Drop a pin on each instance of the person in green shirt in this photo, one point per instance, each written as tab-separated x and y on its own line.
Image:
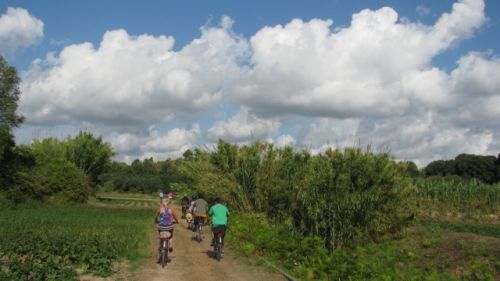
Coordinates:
219	214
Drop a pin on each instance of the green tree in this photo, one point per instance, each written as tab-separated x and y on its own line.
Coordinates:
188	155
411	169
476	166
89	153
440	168
9	96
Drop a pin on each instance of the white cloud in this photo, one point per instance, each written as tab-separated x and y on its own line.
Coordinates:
242	127
132	80
368	83
18	28
423	10
175	140
361	70
160	146
285	140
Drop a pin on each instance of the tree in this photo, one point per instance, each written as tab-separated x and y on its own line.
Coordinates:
188	155
411	169
90	154
9	95
476	166
440	168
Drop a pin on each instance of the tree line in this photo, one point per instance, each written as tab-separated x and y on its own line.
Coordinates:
467	166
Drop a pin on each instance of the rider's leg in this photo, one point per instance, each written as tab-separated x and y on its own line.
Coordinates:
213	236
171	241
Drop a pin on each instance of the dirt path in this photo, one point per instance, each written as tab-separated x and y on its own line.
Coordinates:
191	260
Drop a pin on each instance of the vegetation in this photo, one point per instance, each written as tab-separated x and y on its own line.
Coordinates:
453	194
51	170
10	157
339	196
50	243
421	253
89	153
467	166
146	176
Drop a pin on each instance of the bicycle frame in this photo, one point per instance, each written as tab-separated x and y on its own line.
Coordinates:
164	241
218	245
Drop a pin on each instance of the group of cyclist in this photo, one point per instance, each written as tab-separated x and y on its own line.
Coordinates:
196	212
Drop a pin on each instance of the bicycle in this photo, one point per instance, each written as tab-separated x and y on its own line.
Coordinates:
199	235
218	242
164	241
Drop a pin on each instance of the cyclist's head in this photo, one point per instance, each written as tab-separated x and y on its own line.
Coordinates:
170	195
217	200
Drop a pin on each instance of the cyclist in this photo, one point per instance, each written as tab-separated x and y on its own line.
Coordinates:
185	205
165	217
219	214
200	208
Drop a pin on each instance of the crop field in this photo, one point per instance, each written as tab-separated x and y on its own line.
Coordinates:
52	243
470	198
127	200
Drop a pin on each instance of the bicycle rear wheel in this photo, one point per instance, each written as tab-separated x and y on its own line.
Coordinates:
218	248
198	233
163	259
164	254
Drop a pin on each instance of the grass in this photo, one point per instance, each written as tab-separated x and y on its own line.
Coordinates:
492	230
425	251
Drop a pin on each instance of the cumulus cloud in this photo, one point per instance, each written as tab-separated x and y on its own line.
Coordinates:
18	28
243	127
131	80
160	146
371	82
304	68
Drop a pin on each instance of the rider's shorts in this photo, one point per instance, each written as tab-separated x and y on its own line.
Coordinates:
170	229
221	228
199	220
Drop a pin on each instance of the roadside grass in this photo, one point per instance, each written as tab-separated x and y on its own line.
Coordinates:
492	230
421	252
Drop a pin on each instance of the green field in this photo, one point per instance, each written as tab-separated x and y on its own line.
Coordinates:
52	243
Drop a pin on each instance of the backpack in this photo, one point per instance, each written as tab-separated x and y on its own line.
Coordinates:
165	217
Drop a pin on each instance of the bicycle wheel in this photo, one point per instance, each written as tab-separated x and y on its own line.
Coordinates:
198	233
163	259
218	249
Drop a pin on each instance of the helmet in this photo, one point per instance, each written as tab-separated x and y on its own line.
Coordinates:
170	195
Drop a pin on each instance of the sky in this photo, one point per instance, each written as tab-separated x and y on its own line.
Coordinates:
155	78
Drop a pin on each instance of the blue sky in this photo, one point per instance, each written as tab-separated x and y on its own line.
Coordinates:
414	76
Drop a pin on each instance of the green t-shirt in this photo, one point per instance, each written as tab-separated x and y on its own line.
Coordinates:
219	214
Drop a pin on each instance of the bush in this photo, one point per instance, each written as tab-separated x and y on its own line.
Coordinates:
354	196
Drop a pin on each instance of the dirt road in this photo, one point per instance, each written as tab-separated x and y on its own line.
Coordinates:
191	260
